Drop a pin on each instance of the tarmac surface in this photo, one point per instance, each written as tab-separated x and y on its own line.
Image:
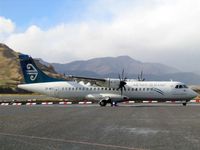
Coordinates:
90	127
23	97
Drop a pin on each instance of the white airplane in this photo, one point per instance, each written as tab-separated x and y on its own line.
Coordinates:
121	90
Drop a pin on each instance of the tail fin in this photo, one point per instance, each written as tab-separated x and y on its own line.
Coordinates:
31	73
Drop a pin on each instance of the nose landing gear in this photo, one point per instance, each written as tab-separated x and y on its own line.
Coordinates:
184	104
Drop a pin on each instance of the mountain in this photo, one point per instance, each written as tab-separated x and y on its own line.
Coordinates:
9	64
110	65
10	74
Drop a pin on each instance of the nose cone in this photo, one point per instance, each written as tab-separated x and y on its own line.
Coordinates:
193	94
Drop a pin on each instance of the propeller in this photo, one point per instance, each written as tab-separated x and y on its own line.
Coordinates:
140	77
122	82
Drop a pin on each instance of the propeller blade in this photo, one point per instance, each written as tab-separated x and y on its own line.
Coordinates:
138	77
122	82
119	77
142	79
124	88
122	74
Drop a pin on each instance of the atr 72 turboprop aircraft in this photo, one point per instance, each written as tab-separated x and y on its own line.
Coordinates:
119	90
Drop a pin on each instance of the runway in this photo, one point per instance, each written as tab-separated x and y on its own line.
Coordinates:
89	127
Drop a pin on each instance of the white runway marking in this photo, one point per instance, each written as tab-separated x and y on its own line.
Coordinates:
97	105
70	141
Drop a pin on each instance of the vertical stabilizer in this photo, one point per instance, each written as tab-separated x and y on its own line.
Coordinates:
31	73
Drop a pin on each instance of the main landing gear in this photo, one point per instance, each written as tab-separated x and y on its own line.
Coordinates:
104	102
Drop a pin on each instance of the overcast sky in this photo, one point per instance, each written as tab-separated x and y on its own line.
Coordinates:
164	31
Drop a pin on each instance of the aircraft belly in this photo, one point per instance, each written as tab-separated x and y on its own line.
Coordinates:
72	95
146	96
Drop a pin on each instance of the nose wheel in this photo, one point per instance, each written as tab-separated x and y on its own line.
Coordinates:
184	104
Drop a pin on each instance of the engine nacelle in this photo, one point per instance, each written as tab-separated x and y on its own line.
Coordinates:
112	83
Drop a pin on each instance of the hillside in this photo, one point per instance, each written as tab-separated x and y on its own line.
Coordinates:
9	64
10	74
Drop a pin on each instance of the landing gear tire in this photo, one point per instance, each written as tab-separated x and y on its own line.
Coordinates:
185	103
103	103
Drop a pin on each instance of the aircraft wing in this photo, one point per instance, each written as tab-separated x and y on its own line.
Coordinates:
105	82
91	80
86	78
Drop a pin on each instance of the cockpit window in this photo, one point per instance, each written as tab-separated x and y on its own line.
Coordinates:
181	86
185	86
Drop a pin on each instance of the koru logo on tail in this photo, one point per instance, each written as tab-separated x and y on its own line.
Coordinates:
32	71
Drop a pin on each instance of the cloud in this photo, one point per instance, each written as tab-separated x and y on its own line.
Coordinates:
164	31
6	27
